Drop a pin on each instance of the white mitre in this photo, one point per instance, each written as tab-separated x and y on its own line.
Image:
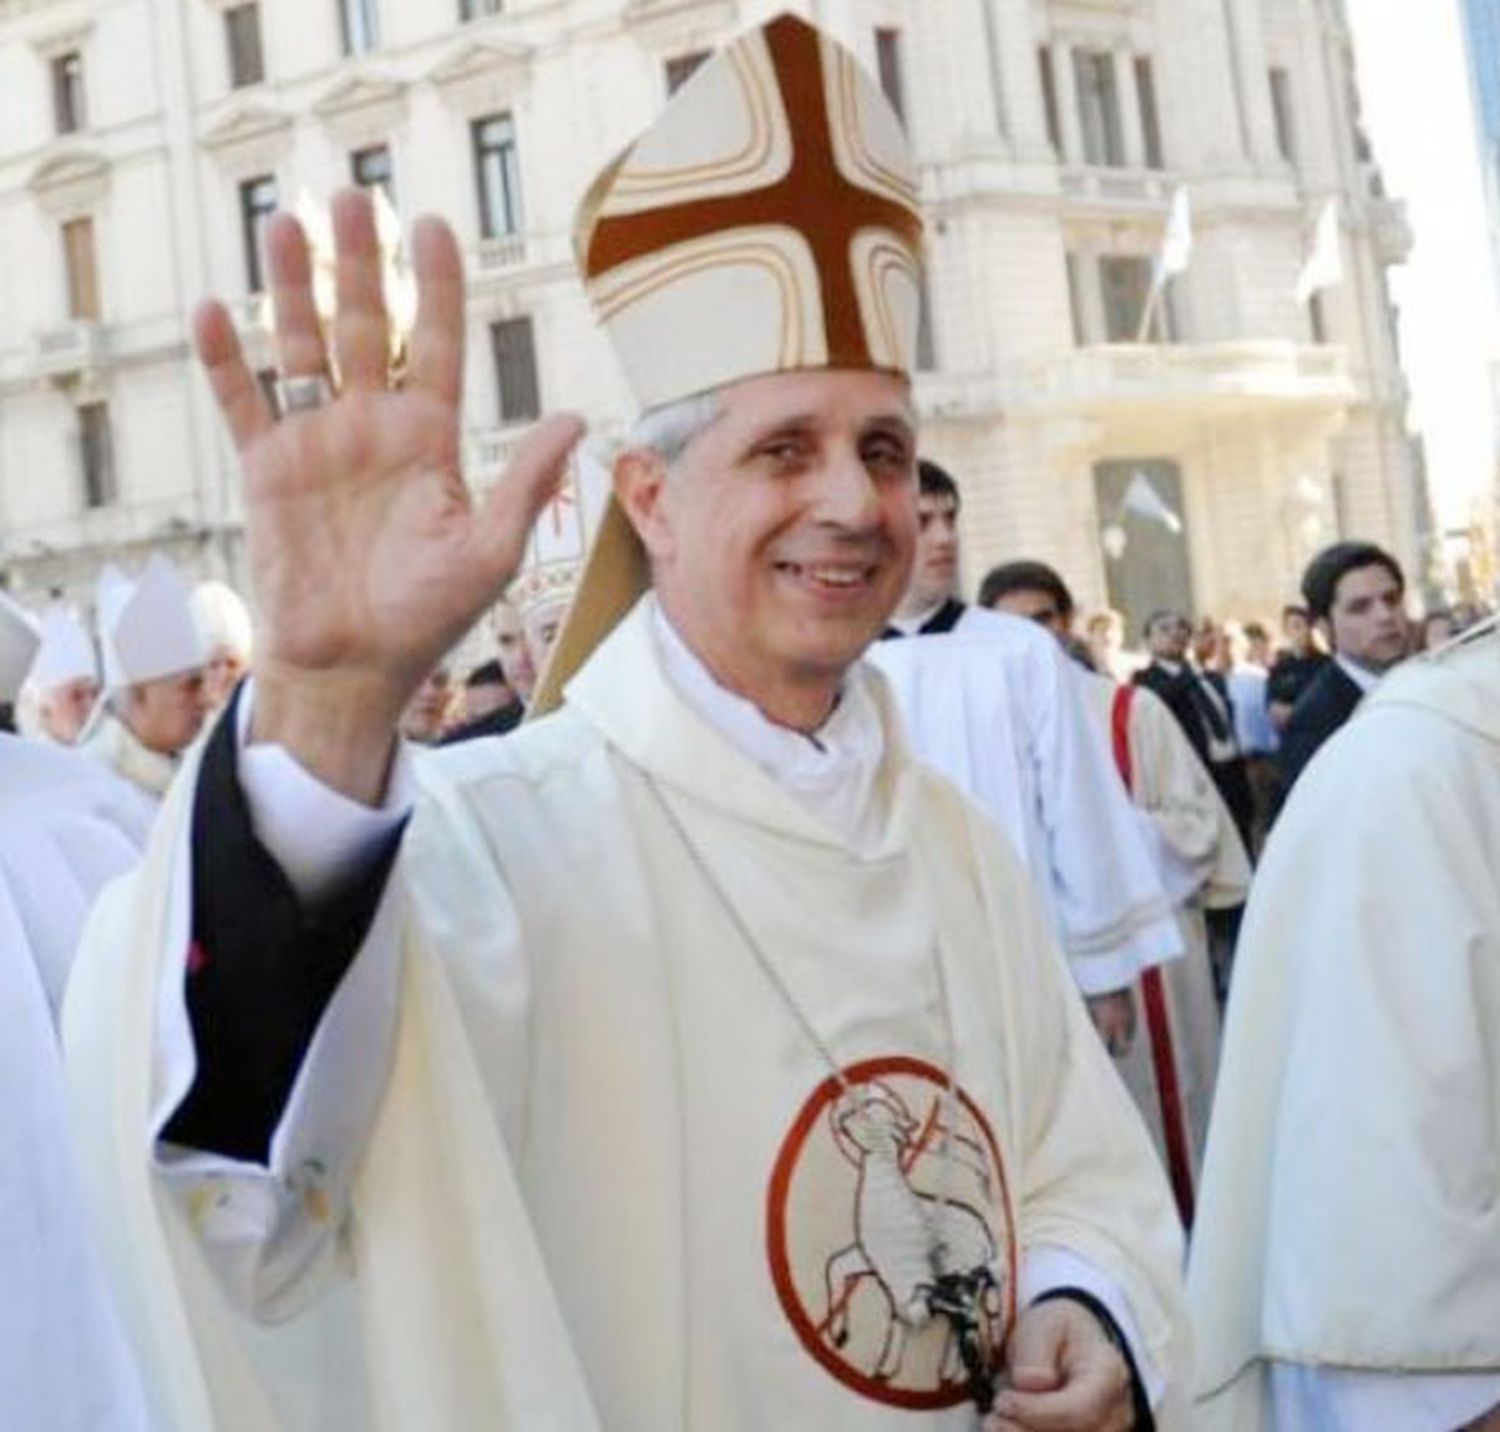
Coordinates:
767	222
67	652
222	618
19	640
146	627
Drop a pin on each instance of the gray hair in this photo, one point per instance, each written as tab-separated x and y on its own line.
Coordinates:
670	429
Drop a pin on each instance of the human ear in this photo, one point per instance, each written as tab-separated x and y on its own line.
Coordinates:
640	483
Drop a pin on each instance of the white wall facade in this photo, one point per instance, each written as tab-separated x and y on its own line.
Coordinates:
1282	443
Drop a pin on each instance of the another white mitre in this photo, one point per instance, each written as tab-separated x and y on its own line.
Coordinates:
67	651
146	627
222	618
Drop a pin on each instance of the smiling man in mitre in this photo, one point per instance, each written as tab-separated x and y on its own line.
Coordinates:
693	1058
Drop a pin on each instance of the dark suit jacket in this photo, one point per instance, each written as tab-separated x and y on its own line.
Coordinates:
1186	703
1319	712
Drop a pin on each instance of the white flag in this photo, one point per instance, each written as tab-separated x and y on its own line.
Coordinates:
1142	498
1325	264
1177	243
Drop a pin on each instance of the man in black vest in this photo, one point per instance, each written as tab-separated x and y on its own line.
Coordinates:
1357	596
1200	702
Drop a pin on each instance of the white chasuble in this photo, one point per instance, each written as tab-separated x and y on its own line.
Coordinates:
1347	1249
65	1363
656	960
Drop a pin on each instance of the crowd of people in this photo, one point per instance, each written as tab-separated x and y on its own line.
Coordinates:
757	987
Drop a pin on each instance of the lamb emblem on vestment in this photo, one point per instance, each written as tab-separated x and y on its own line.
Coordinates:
882	1186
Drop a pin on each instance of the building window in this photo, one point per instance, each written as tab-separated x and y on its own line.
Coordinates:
242	32
1099	108
97	452
497	172
1124	288
361	26
479	9
372	169
1139	501
83	272
67	93
681	68
1145	87
257	204
1049	99
888	65
515	370
1281	109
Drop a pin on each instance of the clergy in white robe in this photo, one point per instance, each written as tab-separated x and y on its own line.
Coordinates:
155	698
1171	1067
995	706
1346	1260
695	1058
65	829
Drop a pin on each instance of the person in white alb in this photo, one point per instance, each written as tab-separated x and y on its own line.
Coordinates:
693	1058
993	704
1201	861
66	827
1345	1274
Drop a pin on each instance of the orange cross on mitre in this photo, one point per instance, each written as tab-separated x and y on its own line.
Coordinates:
815	198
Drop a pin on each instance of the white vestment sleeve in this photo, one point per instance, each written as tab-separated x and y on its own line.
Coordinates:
1116	919
1046	1267
265	1228
1331	1399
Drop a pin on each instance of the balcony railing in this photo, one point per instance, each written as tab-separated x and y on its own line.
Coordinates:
1104	185
73	347
1186	375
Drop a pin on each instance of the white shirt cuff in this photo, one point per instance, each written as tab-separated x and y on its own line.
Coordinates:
1046	1266
318	836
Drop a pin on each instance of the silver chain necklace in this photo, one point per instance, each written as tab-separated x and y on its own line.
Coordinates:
944	1290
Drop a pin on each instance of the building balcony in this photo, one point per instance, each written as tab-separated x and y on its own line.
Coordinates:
1148	189
71	349
1197	379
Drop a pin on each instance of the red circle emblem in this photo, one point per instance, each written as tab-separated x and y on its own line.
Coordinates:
859	1180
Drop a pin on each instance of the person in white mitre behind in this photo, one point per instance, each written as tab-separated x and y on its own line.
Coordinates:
1169	1070
993	704
693	1058
65	828
1345	1274
62	686
155	701
227	637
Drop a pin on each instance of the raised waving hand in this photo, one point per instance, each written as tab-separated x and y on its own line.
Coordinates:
368	557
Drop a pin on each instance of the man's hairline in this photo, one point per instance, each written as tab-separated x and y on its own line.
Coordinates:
633	442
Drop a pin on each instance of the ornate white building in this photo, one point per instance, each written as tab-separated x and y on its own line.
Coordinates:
142	141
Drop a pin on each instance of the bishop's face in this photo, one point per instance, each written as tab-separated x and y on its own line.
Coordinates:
782	538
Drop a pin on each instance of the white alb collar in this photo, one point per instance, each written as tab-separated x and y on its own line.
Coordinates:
833	773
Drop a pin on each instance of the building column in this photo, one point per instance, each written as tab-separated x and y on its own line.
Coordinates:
1065	85
1016	41
1247	45
1130	105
